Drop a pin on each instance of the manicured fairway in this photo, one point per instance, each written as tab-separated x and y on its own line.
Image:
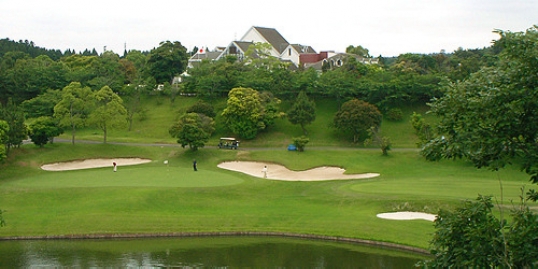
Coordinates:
155	198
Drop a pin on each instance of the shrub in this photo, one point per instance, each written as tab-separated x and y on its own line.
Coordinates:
395	114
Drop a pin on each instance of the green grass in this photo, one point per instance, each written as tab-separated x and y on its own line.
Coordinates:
158	198
161	114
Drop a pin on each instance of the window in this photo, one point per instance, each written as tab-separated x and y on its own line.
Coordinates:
232	50
289	52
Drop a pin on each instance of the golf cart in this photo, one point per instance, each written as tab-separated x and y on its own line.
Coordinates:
228	143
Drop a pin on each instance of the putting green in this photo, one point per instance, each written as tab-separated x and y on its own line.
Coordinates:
128	176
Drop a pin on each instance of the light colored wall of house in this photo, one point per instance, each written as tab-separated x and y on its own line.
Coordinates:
294	57
254	36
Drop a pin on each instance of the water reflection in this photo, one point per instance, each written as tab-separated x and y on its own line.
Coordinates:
206	252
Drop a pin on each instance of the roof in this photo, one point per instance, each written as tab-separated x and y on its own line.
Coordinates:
243	45
273	37
211	55
303	48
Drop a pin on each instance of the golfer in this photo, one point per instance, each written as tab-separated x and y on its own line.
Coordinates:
115	166
264	171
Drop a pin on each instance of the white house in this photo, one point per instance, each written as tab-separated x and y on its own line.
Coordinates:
297	54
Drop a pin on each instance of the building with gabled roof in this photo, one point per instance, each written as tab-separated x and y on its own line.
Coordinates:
296	54
267	35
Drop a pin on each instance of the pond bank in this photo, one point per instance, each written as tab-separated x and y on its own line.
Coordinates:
209	234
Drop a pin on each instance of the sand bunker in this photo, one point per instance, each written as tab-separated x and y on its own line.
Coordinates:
407	216
279	172
92	163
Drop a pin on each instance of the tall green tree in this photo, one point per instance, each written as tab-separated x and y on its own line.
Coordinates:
338	83
356	116
213	79
247	112
302	112
132	95
108	72
166	61
81	68
43	104
74	108
18	131
490	119
109	112
193	130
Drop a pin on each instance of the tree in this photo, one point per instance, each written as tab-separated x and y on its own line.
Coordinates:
14	116
109	112
26	78
490	119
422	129
166	61
376	138
358	50
43	104
302	112
108	71
214	78
4	129
43	130
2	221
357	117
74	108
193	129
471	236
248	112
300	142
338	83
132	97
82	69
202	108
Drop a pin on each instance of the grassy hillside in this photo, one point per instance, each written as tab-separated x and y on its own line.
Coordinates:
161	114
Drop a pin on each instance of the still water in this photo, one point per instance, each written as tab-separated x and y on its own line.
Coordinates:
205	252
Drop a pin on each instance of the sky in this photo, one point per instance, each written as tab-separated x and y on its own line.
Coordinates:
384	27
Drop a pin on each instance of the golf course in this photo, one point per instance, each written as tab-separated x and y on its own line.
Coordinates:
165	197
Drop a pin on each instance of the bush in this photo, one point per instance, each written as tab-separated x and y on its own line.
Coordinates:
395	114
300	142
202	108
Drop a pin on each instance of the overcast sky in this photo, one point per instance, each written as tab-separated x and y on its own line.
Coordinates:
385	27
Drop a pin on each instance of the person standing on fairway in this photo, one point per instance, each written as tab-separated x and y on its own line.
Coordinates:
194	165
115	166
264	171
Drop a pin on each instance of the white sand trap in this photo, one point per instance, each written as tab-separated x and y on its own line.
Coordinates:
93	163
406	215
279	172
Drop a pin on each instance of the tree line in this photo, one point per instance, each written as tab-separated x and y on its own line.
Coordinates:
33	80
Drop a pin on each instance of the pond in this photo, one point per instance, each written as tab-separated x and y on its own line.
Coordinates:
200	252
